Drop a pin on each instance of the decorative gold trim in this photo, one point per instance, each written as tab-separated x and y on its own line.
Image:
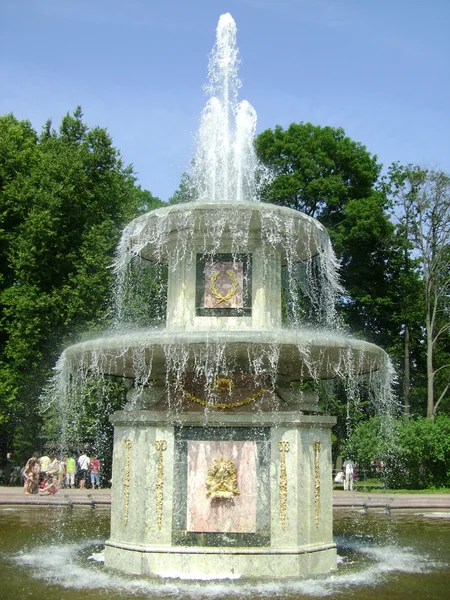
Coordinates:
222	479
283	447
317	446
222	383
126	481
222	404
161	445
218	295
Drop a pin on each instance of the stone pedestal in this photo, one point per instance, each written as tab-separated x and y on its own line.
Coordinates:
244	495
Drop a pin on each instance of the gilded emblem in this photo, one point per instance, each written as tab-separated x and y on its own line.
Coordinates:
232	291
222	479
222	383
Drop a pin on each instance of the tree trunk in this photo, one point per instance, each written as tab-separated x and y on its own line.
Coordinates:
430	371
406	375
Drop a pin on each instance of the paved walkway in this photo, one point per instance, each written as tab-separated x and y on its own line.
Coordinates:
15	495
384	500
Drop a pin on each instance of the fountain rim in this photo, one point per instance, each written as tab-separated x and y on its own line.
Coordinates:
255	206
117	347
139	241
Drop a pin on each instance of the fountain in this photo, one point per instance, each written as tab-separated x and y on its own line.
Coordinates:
222	457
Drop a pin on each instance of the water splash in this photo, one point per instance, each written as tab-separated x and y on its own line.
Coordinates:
65	566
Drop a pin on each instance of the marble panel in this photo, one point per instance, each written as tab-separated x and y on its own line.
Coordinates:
236	514
223	285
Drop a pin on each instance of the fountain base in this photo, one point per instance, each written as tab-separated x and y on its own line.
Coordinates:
221	495
186	563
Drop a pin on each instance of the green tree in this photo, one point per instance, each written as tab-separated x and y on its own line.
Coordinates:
323	173
185	192
317	169
415	454
64	197
423	197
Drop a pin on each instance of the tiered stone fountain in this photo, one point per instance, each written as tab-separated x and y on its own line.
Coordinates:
222	460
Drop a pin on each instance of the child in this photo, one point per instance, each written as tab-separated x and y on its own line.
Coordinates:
51	487
31	475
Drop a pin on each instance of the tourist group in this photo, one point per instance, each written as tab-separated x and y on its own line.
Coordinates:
49	473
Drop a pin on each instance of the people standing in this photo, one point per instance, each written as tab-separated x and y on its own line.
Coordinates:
62	471
94	466
83	465
70	471
45	461
31	474
53	466
349	469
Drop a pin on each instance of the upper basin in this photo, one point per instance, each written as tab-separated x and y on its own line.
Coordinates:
241	226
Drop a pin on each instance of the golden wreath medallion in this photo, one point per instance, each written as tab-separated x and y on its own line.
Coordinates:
217	295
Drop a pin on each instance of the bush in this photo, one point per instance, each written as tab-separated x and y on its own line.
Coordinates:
414	454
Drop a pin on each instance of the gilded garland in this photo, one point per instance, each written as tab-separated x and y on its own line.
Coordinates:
126	482
283	447
316	482
236	404
161	445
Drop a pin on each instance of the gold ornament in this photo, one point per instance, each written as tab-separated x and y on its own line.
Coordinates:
222	383
223	404
317	482
283	447
218	295
126	482
161	445
222	479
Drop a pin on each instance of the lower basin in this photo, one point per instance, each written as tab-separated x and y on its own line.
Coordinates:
55	553
295	354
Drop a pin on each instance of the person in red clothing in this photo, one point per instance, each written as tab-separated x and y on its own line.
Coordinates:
50	487
94	466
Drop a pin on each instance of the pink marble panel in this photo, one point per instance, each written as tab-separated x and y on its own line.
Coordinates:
217	276
236	515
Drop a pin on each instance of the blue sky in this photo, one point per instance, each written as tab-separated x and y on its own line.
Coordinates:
377	68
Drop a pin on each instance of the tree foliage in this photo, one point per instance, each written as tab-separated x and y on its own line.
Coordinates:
65	195
185	191
414	454
423	199
323	173
317	169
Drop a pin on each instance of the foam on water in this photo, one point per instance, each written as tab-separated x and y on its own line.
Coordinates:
66	565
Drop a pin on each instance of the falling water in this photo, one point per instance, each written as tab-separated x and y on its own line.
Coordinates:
169	240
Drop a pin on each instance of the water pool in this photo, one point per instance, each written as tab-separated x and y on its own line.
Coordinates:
55	553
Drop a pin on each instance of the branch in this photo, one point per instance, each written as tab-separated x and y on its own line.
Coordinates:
442	330
440	368
441	397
